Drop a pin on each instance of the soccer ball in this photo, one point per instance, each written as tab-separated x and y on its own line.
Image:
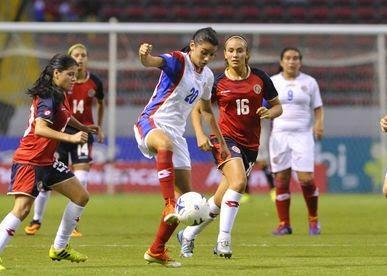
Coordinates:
192	208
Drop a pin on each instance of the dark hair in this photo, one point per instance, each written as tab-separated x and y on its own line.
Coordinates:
284	50
44	86
205	34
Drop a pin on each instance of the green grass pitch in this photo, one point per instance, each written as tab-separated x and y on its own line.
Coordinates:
118	229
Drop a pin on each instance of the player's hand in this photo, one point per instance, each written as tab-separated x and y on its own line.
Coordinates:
101	136
385	187
204	143
93	129
224	152
263	113
79	137
145	49
383	124
318	131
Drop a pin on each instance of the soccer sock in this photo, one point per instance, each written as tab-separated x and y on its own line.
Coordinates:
269	176
166	175
310	192
8	228
282	203
190	232
69	220
163	234
40	205
228	212
82	176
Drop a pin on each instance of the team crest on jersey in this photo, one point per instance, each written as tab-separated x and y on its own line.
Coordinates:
47	112
257	89
91	93
304	88
236	149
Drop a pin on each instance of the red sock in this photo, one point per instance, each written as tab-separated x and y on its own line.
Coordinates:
282	203
163	234
310	192
166	175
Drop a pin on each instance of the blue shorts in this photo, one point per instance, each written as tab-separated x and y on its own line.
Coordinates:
248	156
30	179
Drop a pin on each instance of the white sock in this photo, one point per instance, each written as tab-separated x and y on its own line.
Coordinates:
228	212
8	228
83	177
190	232
40	204
69	220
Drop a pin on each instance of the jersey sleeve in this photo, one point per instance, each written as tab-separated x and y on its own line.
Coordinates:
45	109
99	87
316	96
173	65
207	87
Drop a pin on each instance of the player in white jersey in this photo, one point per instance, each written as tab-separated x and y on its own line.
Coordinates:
383	126
185	80
292	141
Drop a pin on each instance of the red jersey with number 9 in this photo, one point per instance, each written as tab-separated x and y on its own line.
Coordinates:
39	150
238	102
81	98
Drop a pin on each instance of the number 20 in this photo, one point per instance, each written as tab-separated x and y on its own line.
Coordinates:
193	94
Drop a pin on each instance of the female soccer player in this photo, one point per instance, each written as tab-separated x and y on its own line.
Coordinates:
34	166
239	92
185	80
87	87
291	141
383	127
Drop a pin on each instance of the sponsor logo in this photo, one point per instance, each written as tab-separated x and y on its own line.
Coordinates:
236	149
91	93
232	204
11	232
163	174
77	219
39	186
283	197
257	89
224	92
47	112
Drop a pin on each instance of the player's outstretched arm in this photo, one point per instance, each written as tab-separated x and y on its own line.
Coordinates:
42	128
146	58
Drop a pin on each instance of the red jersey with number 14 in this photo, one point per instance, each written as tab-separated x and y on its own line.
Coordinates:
238	102
81	98
38	150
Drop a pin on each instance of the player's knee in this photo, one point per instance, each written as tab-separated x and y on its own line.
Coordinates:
21	211
281	182
82	198
306	180
239	185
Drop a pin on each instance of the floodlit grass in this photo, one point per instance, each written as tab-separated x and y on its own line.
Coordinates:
118	229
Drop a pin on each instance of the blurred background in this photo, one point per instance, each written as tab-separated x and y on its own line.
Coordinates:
350	67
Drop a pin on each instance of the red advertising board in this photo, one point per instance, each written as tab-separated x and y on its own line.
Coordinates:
142	177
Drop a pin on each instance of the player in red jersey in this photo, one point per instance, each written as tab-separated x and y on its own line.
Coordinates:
34	166
86	88
239	92
383	127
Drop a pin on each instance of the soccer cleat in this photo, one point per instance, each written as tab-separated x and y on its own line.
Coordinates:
76	233
314	228
1	266
282	230
161	258
223	249
33	227
187	246
245	198
169	214
66	253
273	195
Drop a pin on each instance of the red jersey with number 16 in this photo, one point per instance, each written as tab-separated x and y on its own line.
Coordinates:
81	98
38	150
238	102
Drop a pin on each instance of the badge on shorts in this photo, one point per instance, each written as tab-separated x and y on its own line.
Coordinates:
91	93
39	186
257	89
236	149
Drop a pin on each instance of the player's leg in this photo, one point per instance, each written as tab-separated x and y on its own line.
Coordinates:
385	186
40	205
64	182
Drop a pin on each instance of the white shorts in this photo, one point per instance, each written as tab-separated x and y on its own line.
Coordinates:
180	157
263	150
293	150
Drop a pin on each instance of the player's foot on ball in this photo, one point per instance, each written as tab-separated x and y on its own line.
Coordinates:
76	233
169	214
66	253
161	258
314	228
33	227
187	246
282	230
223	249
